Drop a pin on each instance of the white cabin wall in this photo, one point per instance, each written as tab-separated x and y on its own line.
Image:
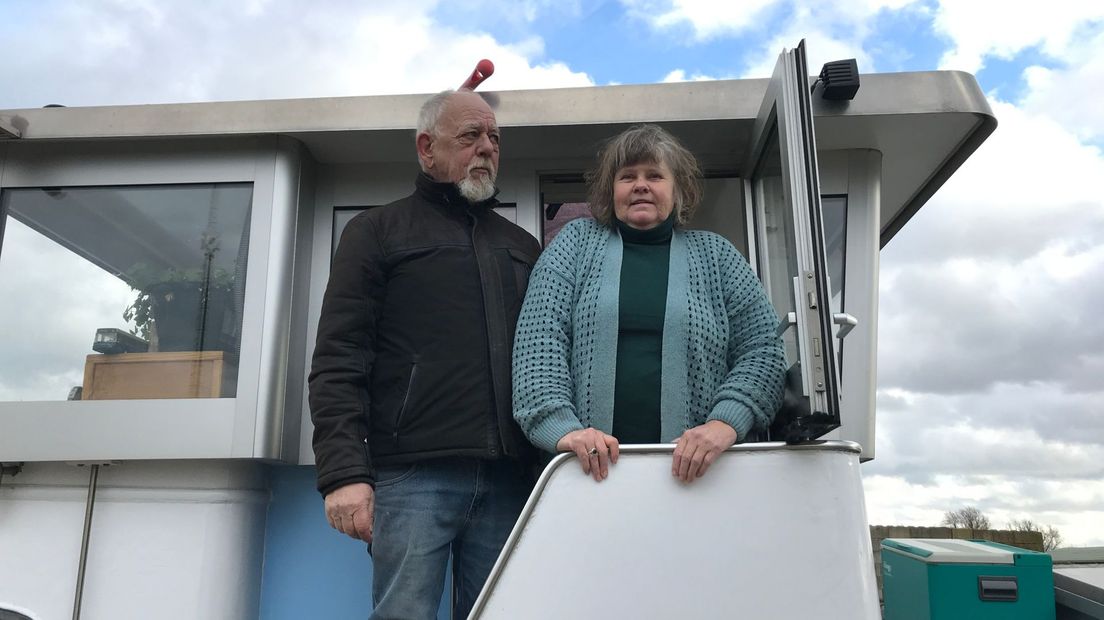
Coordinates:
169	540
857	173
722	211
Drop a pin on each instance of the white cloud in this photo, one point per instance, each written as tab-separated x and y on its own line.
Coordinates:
125	52
989	340
998	277
831	30
679	75
1071	93
1002	29
821	48
709	19
1076	509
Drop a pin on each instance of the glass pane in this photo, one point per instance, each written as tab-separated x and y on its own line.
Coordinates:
122	292
778	254
834	213
558	214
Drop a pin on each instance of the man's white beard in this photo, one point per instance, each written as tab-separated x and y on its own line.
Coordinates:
478	189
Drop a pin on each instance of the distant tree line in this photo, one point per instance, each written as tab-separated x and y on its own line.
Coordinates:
971	518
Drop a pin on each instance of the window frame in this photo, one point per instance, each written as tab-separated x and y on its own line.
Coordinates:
249	425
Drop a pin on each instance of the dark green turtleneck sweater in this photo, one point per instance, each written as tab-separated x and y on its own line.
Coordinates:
641	309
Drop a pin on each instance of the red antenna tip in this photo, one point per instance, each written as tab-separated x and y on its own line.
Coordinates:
483	70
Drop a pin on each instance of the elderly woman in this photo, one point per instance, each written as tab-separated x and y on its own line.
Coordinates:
635	330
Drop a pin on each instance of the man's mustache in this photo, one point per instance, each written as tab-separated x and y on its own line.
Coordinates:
482	162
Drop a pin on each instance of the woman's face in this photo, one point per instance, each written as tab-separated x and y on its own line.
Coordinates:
643	194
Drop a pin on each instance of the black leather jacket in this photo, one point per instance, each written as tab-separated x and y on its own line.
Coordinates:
412	360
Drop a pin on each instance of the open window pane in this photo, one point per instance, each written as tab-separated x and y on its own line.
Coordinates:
791	248
779	255
124	292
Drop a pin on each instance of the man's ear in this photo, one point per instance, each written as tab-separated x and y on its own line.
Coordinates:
424	144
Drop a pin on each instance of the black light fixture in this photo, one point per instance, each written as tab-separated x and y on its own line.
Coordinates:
840	79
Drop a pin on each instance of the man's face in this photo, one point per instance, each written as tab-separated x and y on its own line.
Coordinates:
465	147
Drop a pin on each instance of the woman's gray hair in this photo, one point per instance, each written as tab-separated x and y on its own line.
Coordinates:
641	144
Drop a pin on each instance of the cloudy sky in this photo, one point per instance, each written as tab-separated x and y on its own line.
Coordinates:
991	382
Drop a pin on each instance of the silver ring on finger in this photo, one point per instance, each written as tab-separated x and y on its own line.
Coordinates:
593	452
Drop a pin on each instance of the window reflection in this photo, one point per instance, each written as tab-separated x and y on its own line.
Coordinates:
779	254
834	213
122	292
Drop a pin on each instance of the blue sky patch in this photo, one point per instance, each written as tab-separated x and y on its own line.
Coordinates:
1004	76
904	40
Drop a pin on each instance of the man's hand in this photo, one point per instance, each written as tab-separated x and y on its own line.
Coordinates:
698	447
595	449
351	510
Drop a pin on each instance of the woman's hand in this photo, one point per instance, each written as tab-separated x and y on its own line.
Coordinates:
698	447
595	449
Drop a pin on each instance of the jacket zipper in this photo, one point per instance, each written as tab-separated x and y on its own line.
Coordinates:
493	435
406	397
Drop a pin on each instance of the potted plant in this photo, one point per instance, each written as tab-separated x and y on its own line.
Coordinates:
182	309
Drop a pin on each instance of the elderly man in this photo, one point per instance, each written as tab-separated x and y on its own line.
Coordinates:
414	439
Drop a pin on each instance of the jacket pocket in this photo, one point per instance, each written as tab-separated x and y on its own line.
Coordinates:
406	398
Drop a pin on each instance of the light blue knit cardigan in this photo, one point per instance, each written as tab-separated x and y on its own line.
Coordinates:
721	358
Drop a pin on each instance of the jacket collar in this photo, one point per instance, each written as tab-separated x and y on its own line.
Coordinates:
448	194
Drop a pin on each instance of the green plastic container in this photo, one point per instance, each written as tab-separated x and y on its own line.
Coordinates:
947	579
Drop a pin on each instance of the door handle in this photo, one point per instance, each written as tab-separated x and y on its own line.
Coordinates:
844	320
846	323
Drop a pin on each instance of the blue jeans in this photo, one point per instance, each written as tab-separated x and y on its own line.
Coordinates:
425	510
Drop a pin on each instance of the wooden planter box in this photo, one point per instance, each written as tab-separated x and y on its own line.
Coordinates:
177	374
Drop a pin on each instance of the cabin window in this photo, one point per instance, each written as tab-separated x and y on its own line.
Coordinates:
126	292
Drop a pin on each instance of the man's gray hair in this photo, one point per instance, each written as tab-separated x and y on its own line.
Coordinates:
431	112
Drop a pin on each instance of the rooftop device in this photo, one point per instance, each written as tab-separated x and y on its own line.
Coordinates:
840	79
